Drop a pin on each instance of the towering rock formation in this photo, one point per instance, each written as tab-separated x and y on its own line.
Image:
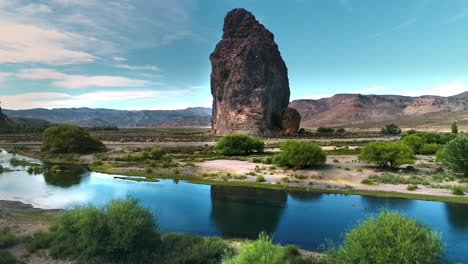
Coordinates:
249	79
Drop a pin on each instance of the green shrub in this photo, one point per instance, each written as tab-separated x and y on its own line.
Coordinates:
193	249
341	130
7	258
149	169
440	155
263	251
388	155
39	240
454	128
391	129
260	178
367	182
456	154
411	187
6	238
239	144
446	138
119	229
389	238
458	190
157	153
66	138
267	160
429	149
325	130
300	154
415	142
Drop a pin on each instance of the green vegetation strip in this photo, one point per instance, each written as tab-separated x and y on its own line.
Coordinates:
199	180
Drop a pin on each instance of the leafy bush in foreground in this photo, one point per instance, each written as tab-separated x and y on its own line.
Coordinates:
66	138
119	229
388	155
389	238
193	249
239	144
300	154
263	251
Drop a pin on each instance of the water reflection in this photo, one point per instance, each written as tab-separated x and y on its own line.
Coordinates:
305	196
457	215
66	178
376	203
244	211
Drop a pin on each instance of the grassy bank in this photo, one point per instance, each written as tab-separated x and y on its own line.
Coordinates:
201	180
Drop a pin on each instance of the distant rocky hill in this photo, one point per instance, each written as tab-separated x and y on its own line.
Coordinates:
354	109
108	117
7	123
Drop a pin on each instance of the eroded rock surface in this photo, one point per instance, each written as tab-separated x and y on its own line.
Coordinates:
249	79
291	121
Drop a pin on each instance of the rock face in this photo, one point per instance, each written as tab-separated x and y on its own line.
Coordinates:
249	79
291	121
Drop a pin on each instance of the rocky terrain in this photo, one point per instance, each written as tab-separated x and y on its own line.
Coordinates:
249	79
354	110
7	123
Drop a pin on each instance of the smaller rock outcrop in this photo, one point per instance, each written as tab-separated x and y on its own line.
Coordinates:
291	121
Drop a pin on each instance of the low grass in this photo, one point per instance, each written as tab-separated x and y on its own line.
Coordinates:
137	179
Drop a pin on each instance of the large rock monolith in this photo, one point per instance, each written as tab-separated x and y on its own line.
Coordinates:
249	79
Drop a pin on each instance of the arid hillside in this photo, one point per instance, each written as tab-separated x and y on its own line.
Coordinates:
367	111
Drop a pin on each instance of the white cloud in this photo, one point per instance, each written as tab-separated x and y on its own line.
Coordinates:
78	81
118	58
27	43
368	90
314	97
446	89
136	68
4	75
92	99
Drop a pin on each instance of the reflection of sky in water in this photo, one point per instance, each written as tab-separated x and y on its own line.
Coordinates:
305	219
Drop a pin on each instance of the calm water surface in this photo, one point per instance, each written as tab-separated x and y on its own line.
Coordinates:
301	218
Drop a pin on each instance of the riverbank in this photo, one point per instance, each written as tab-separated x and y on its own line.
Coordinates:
342	174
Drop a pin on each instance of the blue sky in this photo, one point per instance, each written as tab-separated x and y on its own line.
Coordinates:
142	54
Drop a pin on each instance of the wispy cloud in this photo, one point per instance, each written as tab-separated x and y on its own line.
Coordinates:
27	43
92	99
136	68
445	89
77	81
368	90
118	58
4	75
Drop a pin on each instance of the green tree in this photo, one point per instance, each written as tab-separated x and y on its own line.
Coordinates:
300	154
387	155
429	149
391	129
341	130
239	144
454	128
390	238
455	155
414	141
66	138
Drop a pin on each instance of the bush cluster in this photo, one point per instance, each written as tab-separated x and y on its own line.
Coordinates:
455	155
390	238
239	144
387	155
300	154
